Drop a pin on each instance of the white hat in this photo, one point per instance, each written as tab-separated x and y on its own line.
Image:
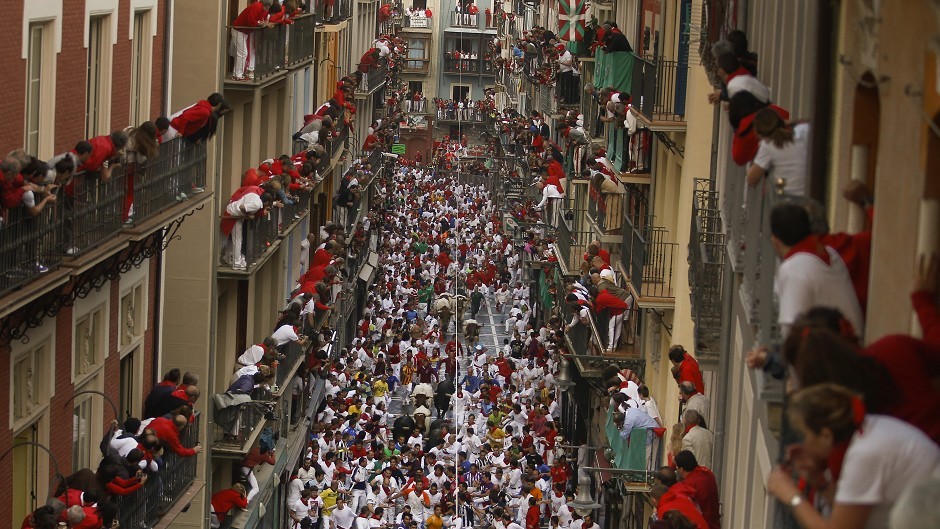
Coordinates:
608	274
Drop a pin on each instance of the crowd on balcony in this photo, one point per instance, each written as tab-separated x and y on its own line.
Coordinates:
138	458
862	411
257	16
465	109
69	181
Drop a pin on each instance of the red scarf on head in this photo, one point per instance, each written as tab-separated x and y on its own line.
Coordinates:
837	455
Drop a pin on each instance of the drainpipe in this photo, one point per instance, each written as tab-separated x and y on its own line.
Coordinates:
826	38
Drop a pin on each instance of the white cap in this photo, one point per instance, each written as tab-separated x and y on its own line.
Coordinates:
608	274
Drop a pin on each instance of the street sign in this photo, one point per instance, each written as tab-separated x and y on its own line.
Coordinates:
398	148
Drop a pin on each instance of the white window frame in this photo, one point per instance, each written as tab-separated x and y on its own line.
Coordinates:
141	73
41	336
48	13
108	9
94	425
99	300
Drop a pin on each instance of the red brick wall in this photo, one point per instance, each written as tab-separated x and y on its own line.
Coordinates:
60	410
71	64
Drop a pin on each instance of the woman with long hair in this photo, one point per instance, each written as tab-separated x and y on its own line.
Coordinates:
142	146
783	152
860	462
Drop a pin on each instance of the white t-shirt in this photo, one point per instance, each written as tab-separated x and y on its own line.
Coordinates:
284	334
789	162
885	458
343	518
804	281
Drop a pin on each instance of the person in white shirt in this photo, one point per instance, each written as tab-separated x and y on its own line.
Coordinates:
783	152
342	515
811	275
648	405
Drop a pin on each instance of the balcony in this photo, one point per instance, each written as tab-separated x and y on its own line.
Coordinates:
279	48
706	267
416	21
574	236
464	20
659	91
606	213
155	502
237	427
373	80
461	66
416	66
466	116
339	12
649	259
262	234
489	66
90	212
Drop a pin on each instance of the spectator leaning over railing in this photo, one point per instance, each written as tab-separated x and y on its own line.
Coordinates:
193	121
142	145
224	501
246	203
105	152
255	17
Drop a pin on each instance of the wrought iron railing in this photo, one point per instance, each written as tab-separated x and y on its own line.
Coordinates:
461	66
374	78
606	210
89	211
300	39
649	259
339	11
489	66
147	505
245	419
464	20
659	88
259	234
706	267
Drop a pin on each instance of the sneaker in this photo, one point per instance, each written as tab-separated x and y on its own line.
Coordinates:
197	190
129	221
250	75
236	78
181	197
72	250
41	268
240	266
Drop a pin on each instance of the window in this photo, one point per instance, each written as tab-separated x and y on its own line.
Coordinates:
141	52
26	473
34	87
419	4
89	343
130	385
31	381
98	79
460	92
415	86
419	54
86	429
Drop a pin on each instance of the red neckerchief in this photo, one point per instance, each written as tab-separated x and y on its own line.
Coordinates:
689	427
837	455
812	246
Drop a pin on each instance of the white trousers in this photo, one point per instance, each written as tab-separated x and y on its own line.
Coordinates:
614	326
244	54
238	258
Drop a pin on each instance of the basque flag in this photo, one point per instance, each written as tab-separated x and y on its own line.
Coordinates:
572	19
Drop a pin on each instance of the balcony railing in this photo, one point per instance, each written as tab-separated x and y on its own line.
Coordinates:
416	65
649	259
333	14
300	39
147	505
659	88
235	425
89	211
417	21
574	236
461	66
287	366
706	267
464	20
489	66
374	79
466	115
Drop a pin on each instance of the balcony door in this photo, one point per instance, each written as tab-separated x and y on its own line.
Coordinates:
459	92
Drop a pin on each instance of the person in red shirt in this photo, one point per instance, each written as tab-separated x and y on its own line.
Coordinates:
616	308
192	119
531	515
168	432
226	500
104	149
685	368
702	485
675	500
252	18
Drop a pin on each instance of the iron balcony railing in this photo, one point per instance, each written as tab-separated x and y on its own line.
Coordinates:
488	66
300	39
473	114
461	66
464	20
148	504
374	79
649	259
339	11
243	420
659	88
88	211
706	267
574	236
286	367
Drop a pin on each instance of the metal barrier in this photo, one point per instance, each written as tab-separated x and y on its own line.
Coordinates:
659	88
706	267
259	234
144	508
461	66
29	245
374	78
270	45
300	39
606	210
649	259
250	416
339	11
178	169
464	20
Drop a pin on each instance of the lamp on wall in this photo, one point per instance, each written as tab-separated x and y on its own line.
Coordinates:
584	503
563	380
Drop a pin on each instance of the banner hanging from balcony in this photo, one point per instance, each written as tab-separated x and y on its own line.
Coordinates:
572	19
